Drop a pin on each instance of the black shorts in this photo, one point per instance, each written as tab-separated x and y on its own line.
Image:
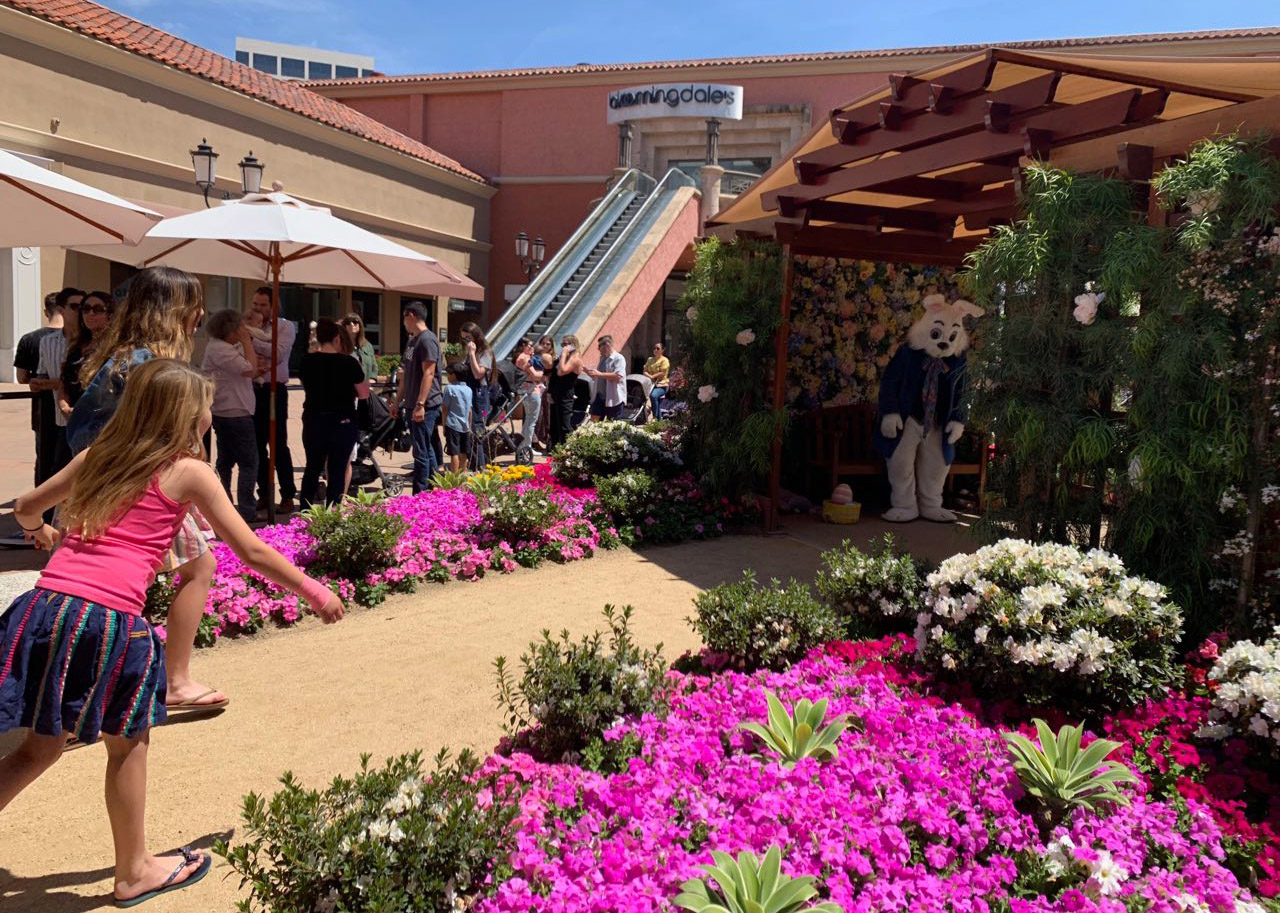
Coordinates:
456	443
600	410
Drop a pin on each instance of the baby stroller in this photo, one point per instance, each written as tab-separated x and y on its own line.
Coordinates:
379	429
499	436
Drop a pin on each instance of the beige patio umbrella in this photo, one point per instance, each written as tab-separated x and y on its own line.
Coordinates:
273	237
46	209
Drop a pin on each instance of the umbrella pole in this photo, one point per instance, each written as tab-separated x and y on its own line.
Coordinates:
274	259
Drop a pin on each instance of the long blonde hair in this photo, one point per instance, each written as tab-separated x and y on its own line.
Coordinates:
157	422
153	316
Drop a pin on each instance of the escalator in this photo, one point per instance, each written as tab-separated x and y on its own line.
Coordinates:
603	277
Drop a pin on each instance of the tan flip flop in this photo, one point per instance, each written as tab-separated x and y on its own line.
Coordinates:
195	703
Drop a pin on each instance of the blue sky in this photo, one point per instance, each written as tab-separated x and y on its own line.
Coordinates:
420	36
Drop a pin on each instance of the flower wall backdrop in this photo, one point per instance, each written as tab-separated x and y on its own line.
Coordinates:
847	319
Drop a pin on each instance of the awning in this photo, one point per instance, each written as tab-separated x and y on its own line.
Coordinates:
922	168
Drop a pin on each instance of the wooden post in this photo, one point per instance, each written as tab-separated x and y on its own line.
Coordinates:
275	262
781	342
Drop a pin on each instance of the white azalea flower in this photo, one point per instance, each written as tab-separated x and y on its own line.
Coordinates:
745	337
1086	309
707	393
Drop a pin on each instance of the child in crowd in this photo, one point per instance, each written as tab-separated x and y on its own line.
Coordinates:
458	402
76	656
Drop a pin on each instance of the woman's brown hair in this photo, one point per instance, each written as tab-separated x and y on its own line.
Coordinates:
158	421
153	316
358	336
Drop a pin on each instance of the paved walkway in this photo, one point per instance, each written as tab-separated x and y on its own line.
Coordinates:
415	672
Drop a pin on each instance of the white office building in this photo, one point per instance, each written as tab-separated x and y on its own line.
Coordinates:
292	61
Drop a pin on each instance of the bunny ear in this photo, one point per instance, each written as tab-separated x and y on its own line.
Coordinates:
934	302
968	308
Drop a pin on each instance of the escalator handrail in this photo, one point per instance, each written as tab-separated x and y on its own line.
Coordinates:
672	180
538	294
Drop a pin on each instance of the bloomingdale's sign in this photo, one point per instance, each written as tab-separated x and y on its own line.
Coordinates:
676	99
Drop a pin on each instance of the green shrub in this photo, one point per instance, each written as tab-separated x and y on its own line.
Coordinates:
628	496
749	626
519	516
572	692
602	449
874	592
385	839
388	363
351	540
1050	624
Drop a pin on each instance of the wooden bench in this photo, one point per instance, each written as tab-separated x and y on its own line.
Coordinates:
839	443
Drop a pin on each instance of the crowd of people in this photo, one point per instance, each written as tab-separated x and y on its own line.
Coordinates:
124	491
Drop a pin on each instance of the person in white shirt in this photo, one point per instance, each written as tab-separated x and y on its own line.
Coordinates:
611	394
286	332
230	360
53	353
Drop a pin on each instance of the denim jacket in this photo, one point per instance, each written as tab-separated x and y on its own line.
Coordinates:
101	398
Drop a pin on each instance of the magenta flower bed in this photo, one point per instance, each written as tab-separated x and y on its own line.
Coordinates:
916	813
444	540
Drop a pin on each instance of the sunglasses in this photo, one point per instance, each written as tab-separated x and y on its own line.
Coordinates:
94	309
352	323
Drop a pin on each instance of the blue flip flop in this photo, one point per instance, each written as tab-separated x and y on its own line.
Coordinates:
188	857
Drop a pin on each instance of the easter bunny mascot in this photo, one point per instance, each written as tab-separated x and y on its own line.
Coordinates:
921	410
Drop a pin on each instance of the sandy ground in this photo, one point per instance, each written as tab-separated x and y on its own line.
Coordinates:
413	673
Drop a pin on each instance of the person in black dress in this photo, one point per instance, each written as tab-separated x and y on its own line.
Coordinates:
333	381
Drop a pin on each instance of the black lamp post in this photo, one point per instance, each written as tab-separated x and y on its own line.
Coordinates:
205	162
530	262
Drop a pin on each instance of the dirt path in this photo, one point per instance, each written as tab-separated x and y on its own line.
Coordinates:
413	673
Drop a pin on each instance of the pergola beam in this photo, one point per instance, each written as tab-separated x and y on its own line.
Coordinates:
1033	136
876	216
909	96
894	248
970	113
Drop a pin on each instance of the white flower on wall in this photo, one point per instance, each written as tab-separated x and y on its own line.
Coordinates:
1086	311
707	393
745	337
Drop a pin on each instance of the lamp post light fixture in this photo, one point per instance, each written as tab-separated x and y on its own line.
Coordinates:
530	261
251	174
205	162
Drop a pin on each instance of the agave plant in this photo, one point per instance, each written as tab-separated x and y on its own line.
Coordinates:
799	733
1062	775
446	479
750	885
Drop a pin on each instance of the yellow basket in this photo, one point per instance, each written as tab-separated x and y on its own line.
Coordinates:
841	513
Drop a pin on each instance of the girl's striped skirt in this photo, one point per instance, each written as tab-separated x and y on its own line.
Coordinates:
69	666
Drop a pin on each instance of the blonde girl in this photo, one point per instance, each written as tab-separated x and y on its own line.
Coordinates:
561	389
76	656
157	319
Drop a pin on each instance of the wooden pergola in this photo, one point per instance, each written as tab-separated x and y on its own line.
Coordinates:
921	170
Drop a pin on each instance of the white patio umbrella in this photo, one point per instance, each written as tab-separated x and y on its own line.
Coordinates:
273	237
45	209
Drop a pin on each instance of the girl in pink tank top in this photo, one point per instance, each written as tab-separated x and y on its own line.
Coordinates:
76	656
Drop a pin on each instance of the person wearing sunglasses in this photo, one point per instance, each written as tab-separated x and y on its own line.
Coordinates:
53	353
363	348
96	309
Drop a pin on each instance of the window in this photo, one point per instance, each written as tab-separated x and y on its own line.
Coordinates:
368	73
265	62
369	306
316	70
345	72
292	66
242	57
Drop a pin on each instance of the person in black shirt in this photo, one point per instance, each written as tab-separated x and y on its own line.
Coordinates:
333	381
419	394
26	360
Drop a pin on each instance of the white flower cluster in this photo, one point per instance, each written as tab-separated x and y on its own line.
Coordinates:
1247	698
1048	607
1106	876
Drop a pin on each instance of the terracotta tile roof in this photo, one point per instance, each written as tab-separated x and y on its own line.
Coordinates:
127	33
660	65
